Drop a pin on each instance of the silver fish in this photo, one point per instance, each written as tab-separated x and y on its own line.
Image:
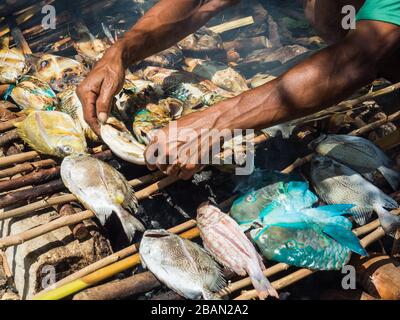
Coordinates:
121	142
336	184
101	189
359	154
181	264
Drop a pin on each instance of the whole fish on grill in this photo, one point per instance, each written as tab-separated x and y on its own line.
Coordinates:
359	154
224	239
336	184
121	142
181	265
168	58
101	189
31	94
52	132
59	72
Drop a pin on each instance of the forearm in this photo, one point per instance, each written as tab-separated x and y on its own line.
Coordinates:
319	82
165	24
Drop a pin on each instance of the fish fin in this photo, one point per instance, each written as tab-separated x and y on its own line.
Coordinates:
209	295
332	210
102	214
346	238
391	176
389	222
261	283
361	216
368	176
129	223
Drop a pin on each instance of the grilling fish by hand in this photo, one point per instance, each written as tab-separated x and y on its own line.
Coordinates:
101	189
12	62
181	265
335	183
121	142
59	72
53	133
31	94
224	239
359	154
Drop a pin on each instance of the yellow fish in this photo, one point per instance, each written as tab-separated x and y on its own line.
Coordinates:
53	133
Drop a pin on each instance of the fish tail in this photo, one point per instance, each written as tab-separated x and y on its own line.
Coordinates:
391	176
389	222
260	282
129	222
209	295
345	237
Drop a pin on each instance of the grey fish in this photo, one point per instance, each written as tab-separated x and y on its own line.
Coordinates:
335	184
359	154
101	189
181	264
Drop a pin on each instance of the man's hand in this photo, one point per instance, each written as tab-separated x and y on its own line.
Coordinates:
97	91
179	148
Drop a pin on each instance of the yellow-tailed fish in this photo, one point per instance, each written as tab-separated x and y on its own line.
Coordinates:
53	133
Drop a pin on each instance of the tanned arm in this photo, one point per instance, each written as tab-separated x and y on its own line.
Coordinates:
320	81
165	24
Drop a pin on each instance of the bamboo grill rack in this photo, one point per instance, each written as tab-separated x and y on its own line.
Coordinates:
35	169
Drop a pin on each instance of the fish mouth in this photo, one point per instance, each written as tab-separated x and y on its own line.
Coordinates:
156	235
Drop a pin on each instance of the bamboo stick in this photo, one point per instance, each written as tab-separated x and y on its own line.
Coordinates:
26	167
9	124
8	137
119	289
53	186
226	26
18	158
374	125
79	230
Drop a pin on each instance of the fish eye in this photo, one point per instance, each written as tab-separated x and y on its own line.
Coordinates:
250	198
67	149
44	64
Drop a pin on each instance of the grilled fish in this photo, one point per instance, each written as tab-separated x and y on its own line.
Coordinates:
359	154
101	189
181	265
224	239
335	184
12	62
52	132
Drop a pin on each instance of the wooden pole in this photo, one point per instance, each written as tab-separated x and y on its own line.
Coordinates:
26	167
8	137
9	124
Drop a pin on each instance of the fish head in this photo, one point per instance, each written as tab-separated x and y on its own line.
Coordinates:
208	215
151	238
246	208
70	145
313	144
59	71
